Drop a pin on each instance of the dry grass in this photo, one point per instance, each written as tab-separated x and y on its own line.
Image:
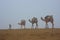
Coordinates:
30	34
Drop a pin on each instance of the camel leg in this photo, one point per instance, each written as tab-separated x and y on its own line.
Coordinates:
36	25
9	27
32	26
52	27
21	26
46	25
24	26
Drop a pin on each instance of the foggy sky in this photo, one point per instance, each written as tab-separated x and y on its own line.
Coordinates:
12	11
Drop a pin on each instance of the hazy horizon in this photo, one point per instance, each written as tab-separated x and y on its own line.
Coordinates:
12	11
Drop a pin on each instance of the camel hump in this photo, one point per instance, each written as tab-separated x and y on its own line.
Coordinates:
22	20
48	16
34	19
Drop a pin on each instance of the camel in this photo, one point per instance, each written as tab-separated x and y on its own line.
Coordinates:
48	18
34	20
22	23
10	26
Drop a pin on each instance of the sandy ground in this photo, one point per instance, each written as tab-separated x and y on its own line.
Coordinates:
30	34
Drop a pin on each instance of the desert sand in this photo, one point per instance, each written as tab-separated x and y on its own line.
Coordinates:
30	34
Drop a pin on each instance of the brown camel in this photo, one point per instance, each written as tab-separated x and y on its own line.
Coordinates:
22	23
48	18
34	20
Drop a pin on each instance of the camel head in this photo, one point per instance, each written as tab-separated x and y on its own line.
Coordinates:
42	19
19	24
29	20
